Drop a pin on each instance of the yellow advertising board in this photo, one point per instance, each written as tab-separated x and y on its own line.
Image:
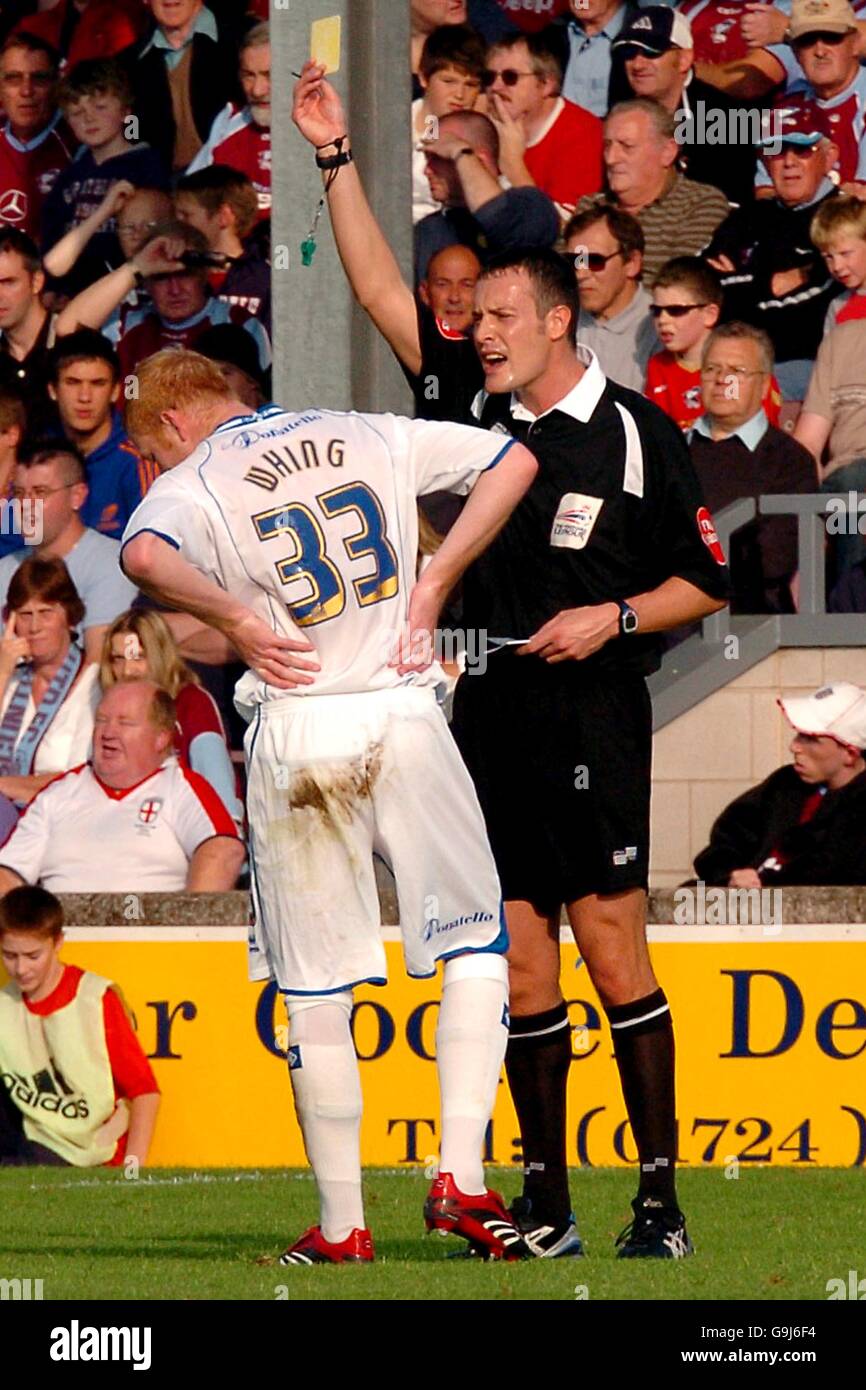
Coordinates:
771	1044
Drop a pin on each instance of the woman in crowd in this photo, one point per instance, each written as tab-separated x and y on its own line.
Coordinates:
47	693
139	646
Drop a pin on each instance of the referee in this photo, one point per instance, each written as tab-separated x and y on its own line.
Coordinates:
610	546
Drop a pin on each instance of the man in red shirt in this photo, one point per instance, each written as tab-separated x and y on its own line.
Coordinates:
543	139
75	1085
34	144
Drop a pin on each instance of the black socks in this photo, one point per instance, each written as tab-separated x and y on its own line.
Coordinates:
643	1043
536	1063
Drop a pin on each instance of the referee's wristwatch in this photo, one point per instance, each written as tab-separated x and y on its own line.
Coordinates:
628	619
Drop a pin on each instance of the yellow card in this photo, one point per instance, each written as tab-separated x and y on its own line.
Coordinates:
325	43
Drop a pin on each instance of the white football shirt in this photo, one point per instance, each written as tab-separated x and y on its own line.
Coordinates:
79	836
310	519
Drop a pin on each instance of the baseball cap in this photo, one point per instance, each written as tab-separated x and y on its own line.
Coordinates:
656	29
837	711
793	122
812	16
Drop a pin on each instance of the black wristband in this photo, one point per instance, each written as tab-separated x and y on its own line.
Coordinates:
335	161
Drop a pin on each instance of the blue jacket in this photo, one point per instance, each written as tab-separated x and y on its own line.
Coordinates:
117	479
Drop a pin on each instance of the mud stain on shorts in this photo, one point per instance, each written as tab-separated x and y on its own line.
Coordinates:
335	791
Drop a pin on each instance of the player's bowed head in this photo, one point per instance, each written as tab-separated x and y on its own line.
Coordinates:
182	397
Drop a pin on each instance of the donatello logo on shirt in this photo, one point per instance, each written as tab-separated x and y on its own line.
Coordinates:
46	1090
575	517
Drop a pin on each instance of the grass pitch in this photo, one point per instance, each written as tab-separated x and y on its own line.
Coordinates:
175	1234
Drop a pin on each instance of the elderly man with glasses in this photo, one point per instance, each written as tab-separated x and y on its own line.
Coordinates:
772	274
820	60
738	453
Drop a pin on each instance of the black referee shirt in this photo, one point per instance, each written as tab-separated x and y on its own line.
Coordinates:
615	510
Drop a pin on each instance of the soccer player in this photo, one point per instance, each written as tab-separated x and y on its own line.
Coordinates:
272	527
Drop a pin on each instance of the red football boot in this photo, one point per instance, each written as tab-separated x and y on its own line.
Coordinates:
483	1220
313	1249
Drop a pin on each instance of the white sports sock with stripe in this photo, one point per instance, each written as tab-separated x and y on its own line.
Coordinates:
323	1070
470	1048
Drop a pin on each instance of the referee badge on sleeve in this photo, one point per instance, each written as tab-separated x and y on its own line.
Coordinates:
575	517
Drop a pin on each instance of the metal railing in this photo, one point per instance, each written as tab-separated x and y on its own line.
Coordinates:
728	646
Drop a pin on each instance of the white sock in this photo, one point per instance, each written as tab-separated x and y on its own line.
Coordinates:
470	1048
323	1070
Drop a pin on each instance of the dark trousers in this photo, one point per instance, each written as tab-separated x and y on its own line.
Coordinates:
16	1150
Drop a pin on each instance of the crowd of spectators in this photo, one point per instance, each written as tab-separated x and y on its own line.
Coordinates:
135	198
706	163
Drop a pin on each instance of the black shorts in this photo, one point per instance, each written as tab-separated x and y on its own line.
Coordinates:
562	766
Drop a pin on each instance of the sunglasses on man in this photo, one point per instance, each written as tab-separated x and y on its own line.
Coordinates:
510	77
593	260
831	40
786	147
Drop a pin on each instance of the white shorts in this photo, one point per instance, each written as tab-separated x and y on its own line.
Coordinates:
332	779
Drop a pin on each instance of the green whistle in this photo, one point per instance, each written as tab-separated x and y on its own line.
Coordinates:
308	251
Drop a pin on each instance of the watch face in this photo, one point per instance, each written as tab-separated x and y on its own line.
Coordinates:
629	620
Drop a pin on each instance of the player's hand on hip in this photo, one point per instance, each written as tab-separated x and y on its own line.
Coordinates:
317	110
415	647
274	658
574	634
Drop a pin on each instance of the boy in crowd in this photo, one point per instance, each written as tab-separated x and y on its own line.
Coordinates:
222	204
452	65
838	229
78	1088
85	384
96	99
687	304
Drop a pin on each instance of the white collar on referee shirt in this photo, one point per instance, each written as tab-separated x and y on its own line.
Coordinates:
581	400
